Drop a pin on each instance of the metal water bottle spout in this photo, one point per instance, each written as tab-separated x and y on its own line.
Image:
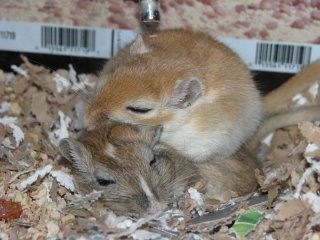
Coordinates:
149	11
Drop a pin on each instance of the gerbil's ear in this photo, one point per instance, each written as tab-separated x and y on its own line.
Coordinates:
138	46
79	157
186	92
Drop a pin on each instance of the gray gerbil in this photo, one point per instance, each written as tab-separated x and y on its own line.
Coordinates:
139	175
123	161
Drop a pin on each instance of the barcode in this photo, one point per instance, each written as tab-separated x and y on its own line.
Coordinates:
275	55
59	38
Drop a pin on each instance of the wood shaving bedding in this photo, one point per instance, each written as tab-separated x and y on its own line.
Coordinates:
37	110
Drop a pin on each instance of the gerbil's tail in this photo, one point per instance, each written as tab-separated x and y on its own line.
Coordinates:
294	85
280	120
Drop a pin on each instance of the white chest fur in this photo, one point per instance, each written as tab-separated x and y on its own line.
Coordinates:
220	139
198	146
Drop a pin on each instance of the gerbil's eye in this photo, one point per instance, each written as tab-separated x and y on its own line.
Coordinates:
105	182
138	110
153	161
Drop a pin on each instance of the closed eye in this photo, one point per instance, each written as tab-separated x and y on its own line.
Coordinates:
138	110
105	182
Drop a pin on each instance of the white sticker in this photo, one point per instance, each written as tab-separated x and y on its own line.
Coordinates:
102	43
55	39
272	56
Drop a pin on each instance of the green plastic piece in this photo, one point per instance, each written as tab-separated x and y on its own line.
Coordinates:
247	222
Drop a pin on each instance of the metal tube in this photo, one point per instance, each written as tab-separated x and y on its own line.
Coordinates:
149	11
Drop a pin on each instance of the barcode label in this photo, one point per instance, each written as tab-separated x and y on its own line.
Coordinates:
59	38
104	43
275	55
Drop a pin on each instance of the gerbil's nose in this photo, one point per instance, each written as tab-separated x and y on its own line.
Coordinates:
153	204
149	205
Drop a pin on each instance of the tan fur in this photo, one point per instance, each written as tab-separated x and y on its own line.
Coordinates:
234	175
275	117
283	119
294	85
229	105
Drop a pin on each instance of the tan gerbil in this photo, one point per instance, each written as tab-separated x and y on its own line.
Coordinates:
136	176
197	88
194	86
